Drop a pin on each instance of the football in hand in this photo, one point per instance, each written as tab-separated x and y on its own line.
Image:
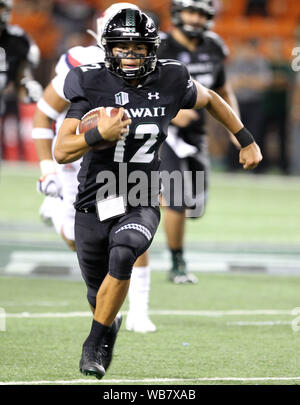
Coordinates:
90	120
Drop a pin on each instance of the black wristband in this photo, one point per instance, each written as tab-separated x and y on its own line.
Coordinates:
92	136
244	137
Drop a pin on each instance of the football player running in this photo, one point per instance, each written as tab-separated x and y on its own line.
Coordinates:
186	148
131	75
59	182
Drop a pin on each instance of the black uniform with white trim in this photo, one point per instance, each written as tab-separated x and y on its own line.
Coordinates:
151	106
16	49
206	65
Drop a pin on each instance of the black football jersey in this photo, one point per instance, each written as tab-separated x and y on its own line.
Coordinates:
151	106
15	49
205	64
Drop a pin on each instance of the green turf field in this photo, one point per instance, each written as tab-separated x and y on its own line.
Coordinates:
230	328
211	330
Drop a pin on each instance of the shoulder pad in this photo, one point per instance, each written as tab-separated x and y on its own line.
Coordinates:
86	54
218	41
77	56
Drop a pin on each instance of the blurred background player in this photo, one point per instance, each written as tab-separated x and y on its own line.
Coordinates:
186	148
59	182
18	56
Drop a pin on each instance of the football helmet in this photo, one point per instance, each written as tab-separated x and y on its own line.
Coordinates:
107	15
204	6
5	7
130	25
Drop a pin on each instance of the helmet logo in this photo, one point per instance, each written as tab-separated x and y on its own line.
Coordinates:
130	21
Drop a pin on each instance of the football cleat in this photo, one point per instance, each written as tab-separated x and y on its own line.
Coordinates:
108	342
179	274
90	362
182	277
140	323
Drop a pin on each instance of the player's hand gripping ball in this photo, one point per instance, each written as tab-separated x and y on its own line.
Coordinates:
90	120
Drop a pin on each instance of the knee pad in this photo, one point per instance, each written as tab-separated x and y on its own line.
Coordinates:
127	243
121	260
134	235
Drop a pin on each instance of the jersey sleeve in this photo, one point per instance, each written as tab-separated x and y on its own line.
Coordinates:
189	95
74	57
176	78
74	93
78	108
61	70
66	62
73	85
58	84
69	60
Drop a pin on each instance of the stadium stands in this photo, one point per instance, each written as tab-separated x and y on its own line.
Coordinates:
282	20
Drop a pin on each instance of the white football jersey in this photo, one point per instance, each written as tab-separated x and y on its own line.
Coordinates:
76	56
67	173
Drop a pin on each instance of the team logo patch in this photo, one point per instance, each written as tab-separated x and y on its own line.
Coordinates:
137	227
121	98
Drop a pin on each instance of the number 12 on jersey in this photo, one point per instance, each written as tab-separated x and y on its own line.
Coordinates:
141	155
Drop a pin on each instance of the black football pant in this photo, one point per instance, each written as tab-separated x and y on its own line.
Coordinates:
100	245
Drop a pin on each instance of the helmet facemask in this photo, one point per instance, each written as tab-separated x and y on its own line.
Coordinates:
147	62
130	27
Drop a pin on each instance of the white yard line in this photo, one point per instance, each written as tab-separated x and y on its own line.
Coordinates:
262	323
149	380
204	313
